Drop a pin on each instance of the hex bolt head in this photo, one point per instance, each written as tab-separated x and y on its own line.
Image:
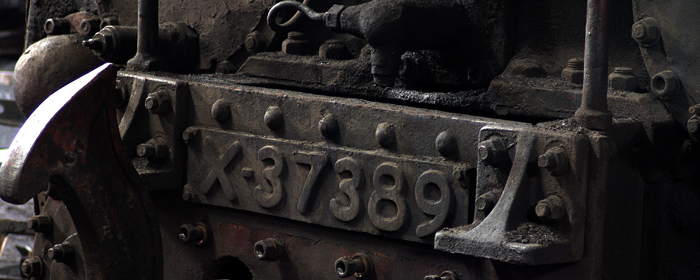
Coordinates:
158	102
155	149
268	249
665	85
385	135
555	160
296	44
328	125
274	119
550	208
40	223
646	32
573	72
33	267
487	201
221	111
255	42
89	27
334	49
492	151
197	233
623	78
61	252
446	144
358	265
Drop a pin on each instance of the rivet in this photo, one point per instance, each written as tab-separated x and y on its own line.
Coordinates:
385	135
446	144
274	118
221	111
328	126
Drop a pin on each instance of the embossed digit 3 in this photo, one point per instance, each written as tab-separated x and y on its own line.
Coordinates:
438	208
271	175
349	187
386	174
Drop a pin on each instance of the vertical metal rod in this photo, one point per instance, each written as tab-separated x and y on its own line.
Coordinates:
146	45
594	113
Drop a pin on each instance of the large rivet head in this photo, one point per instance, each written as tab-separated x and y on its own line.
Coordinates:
646	32
555	160
665	85
492	151
385	135
329	126
446	144
550	208
273	118
220	111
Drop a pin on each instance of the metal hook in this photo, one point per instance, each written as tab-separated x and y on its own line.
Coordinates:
277	9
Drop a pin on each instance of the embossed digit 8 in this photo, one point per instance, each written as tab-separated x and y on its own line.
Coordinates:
438	208
388	171
271	175
348	187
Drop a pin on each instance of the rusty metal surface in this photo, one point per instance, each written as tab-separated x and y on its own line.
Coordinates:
102	194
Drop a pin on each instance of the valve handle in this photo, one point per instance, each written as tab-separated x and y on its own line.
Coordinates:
277	9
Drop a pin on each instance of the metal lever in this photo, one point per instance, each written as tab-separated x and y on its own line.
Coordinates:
277	9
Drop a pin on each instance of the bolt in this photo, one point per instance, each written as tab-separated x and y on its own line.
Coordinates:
221	111
158	102
646	32
188	135
33	267
334	49
255	42
487	201
445	275
57	26
446	144
623	78
385	135
274	118
194	233
295	43
573	71
89	27
550	208
155	149
492	151
555	160
247	172
693	127
60	252
358	265
665	85
40	223
268	249
121	97
695	109
329	126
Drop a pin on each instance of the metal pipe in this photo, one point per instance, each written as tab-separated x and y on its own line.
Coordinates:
594	113
147	41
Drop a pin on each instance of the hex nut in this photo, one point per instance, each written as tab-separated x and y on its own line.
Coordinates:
334	49
57	26
492	151
665	85
40	223
158	102
33	267
268	249
60	252
573	72
487	201
255	42
622	78
646	32
550	208
555	160
357	265
296	44
197	233
155	149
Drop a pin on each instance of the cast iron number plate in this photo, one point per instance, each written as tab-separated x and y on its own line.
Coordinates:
332	186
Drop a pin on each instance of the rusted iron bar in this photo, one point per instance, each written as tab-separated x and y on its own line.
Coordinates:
594	113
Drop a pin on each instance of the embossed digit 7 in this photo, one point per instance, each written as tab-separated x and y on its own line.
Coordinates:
348	187
393	194
271	176
440	209
317	161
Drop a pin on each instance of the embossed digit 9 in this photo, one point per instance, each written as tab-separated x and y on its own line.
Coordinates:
349	187
387	174
271	176
439	208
